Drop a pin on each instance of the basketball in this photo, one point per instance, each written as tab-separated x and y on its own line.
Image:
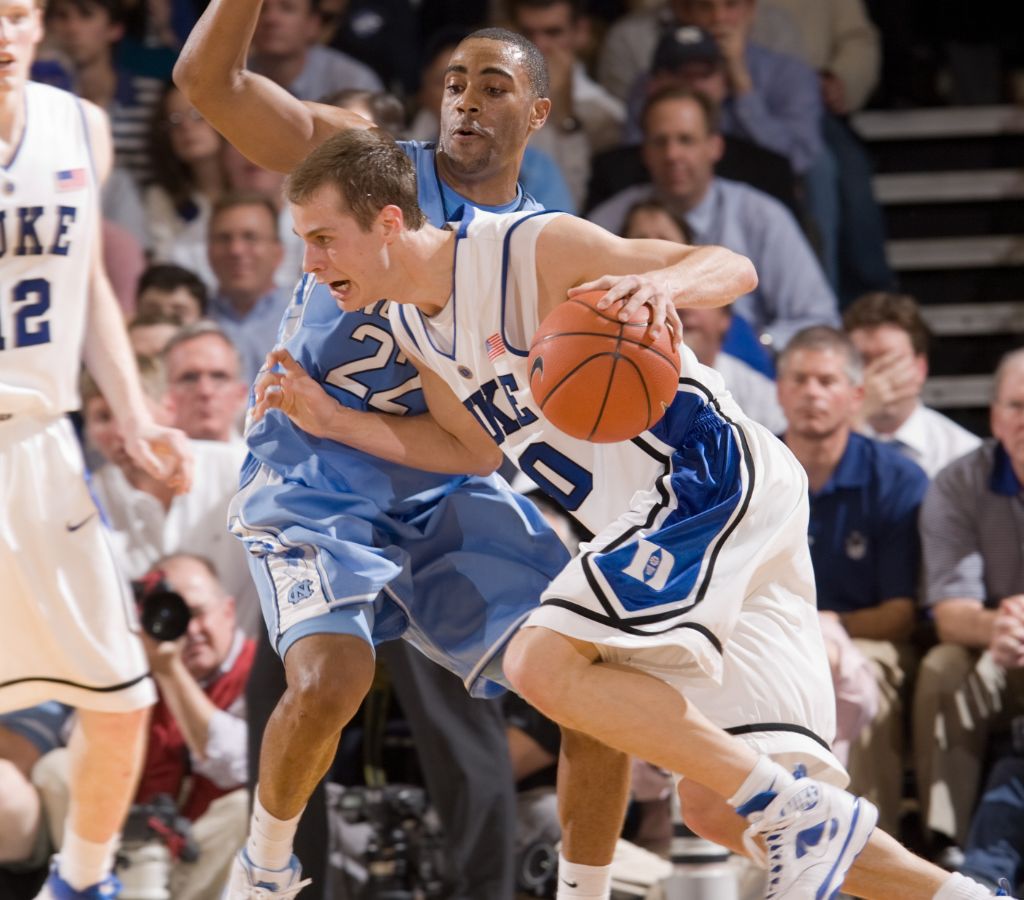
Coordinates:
599	379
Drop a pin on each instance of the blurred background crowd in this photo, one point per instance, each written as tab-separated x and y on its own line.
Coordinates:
864	154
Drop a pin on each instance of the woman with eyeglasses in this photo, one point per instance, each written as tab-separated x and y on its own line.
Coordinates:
187	178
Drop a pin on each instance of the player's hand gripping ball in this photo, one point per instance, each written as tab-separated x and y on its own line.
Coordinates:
599	379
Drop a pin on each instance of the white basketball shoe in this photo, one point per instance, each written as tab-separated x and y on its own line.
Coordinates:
247	882
812	833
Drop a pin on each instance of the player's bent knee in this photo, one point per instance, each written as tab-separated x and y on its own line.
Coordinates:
19	813
328	676
537	666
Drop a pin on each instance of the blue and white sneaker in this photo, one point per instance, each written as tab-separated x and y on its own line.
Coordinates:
813	833
248	882
56	888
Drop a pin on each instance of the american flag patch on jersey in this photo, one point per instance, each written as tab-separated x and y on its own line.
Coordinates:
71	179
495	346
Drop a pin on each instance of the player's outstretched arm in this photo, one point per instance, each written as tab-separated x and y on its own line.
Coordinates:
261	119
162	452
447	439
574	255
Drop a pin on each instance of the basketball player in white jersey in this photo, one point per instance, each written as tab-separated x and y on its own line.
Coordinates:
68	631
685	632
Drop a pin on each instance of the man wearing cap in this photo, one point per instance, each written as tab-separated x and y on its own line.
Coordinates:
681	147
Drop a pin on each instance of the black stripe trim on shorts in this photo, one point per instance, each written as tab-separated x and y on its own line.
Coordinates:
778	726
110	689
620	625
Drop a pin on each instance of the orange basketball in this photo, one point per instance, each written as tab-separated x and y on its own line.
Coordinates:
597	378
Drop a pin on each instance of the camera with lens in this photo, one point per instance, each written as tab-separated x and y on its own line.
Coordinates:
163	612
403	857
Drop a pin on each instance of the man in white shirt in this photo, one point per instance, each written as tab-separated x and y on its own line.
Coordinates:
147	521
204	384
892	339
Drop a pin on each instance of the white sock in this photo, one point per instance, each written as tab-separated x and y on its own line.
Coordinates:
579	882
960	887
270	839
765	780
83	863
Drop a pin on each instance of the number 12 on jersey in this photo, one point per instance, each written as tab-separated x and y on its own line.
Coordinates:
29	304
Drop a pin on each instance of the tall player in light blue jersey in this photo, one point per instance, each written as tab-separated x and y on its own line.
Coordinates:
349	550
69	632
685	632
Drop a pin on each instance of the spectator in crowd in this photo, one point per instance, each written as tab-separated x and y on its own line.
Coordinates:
149	333
682	143
187	180
244	176
285	49
383	34
864	500
892	338
706	331
204	385
585	119
629	45
197	747
86	32
539	174
972	684
245	252
173	291
689	57
839	42
146	521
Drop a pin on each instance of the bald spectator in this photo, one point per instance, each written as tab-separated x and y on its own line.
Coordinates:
682	144
245	252
204	386
864	499
971	685
893	340
148	522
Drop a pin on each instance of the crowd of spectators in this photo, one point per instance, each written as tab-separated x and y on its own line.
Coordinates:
703	121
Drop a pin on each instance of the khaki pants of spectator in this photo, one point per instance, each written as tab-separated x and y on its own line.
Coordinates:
962	696
220	832
878	755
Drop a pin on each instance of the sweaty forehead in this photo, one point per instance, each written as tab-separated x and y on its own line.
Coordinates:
477	56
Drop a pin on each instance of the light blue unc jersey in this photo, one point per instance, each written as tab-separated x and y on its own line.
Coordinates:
341	541
49	220
668	508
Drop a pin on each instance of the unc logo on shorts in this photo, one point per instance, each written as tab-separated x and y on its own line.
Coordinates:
302	591
651	564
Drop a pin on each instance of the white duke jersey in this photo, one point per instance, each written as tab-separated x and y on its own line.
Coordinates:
49	219
479	343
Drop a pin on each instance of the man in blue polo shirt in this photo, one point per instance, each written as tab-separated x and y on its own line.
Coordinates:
864	500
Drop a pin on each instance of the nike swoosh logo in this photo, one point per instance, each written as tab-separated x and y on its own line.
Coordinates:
567	883
75	527
538	368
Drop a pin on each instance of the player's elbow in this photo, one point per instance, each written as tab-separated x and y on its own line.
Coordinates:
186	73
486	462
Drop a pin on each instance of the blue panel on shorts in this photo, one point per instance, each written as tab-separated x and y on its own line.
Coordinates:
706	481
43	725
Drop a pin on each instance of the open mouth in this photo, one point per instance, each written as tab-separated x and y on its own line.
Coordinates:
340	289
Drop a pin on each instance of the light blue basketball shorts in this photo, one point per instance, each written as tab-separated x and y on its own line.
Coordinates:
456	577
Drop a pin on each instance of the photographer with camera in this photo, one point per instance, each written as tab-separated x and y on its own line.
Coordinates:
196	750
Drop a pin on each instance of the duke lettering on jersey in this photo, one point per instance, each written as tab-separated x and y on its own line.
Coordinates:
495	408
32	231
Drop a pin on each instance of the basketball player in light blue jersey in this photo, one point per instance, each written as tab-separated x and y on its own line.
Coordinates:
69	633
685	632
349	550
